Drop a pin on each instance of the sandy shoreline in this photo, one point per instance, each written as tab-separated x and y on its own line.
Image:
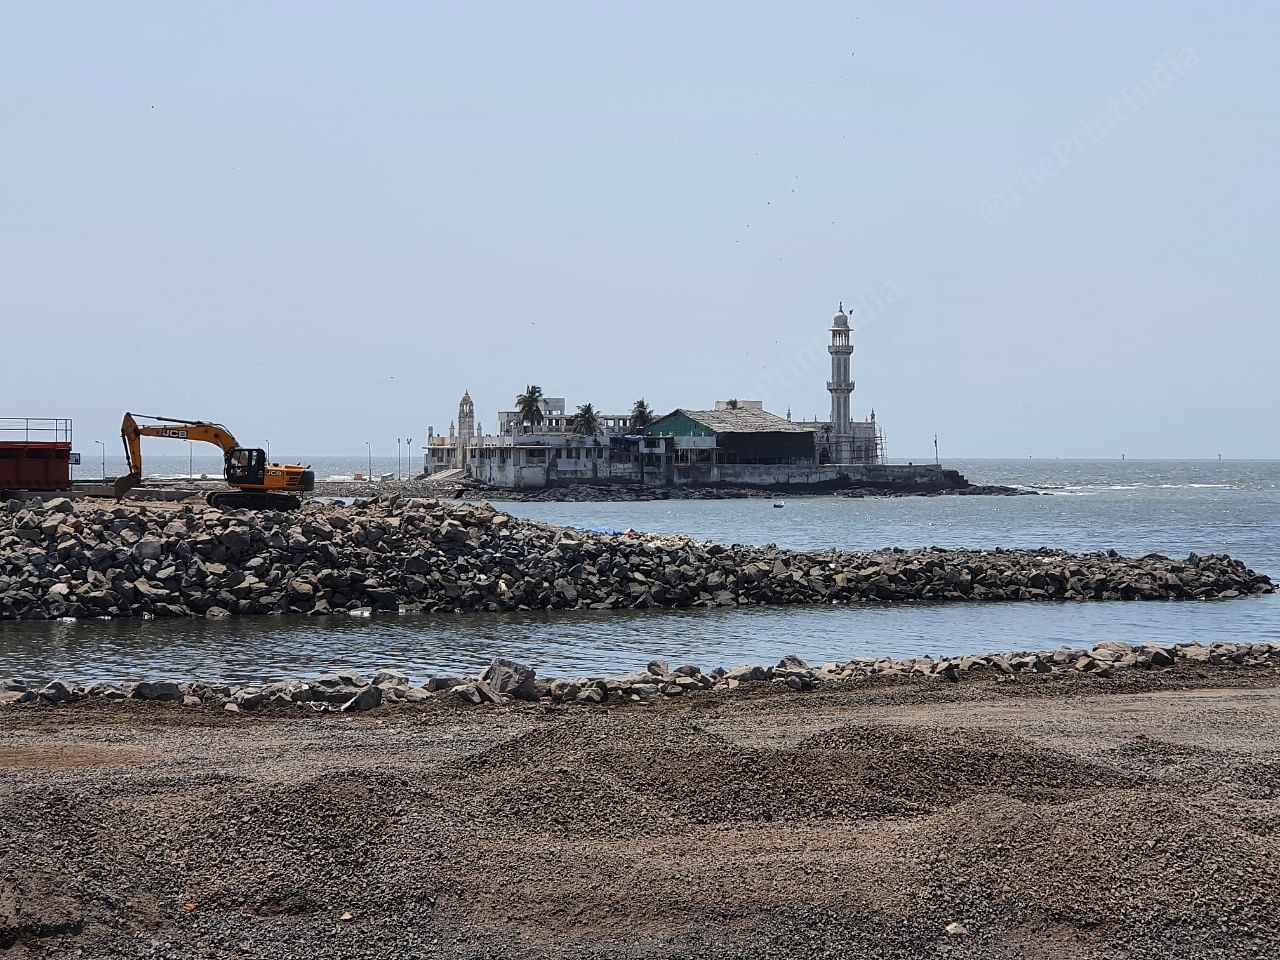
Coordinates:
1046	816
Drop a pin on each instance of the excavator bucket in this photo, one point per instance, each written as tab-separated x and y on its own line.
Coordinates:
126	483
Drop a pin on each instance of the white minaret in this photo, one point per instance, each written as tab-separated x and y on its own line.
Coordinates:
840	386
466	427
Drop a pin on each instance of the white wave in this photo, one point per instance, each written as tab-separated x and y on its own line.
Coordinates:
1095	487
1092	488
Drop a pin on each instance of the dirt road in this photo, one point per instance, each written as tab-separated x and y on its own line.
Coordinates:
1066	818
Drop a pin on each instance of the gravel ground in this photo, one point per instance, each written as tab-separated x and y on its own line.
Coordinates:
1038	817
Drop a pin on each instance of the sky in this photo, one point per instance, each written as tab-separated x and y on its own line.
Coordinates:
1056	225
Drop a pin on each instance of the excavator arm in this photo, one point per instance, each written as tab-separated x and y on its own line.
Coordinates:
132	432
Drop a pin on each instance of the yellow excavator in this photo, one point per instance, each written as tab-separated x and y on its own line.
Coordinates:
258	485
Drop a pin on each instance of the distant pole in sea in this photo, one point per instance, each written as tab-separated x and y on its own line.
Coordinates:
369	450
936	461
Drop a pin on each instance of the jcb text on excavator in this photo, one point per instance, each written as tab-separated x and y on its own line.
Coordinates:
259	485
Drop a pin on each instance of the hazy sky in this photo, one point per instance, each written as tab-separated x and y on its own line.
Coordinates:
317	222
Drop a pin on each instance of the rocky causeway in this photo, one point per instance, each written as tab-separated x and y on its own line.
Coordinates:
64	558
600	492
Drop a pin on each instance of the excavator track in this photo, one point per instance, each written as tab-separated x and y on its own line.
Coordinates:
246	500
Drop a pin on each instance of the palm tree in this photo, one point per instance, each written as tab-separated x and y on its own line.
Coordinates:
529	406
586	422
732	404
641	415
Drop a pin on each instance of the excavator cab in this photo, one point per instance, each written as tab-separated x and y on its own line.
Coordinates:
246	466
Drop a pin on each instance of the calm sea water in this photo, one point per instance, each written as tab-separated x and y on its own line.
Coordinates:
1136	507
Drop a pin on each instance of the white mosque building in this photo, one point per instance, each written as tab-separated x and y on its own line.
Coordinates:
737	441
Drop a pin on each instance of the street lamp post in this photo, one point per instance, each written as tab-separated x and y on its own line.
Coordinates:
369	450
398	442
408	456
190	469
104	459
268	451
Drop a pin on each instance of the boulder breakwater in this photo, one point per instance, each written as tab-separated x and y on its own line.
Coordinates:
100	559
467	488
505	681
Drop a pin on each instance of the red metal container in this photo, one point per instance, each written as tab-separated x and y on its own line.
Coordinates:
35	454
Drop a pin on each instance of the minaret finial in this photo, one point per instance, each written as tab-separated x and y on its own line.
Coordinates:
842	306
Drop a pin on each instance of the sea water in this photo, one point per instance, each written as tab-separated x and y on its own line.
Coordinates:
1134	507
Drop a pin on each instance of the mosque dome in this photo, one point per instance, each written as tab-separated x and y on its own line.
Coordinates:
840	319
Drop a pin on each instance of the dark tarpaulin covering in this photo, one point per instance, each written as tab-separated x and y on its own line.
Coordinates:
765	447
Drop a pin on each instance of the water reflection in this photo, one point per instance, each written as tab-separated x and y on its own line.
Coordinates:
568	643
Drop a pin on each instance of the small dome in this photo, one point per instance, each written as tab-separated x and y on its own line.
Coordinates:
840	319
